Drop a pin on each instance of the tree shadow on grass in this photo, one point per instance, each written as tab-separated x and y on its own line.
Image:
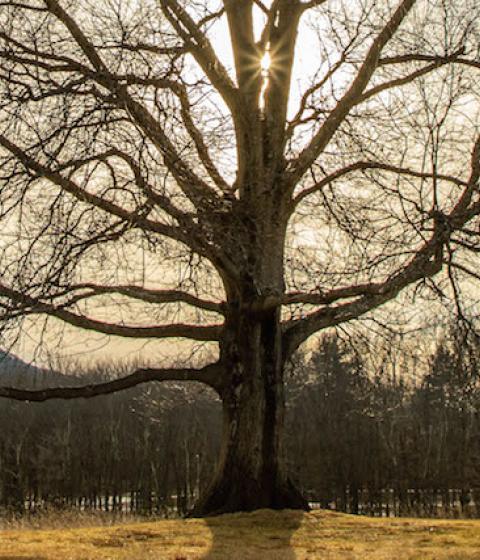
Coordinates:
263	534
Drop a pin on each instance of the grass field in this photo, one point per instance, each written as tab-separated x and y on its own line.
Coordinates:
262	535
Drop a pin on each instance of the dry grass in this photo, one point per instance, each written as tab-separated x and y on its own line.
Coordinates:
263	535
70	518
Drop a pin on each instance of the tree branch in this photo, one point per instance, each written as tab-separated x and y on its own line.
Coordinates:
146	295
331	296
436	63
312	4
457	56
198	139
202	51
135	218
427	262
187	232
464	269
297	119
366	165
210	375
421	266
321	139
282	39
196	190
37	306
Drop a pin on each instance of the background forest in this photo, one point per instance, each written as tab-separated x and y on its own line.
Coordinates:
368	432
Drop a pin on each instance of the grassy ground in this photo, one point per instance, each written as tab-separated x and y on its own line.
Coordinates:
263	535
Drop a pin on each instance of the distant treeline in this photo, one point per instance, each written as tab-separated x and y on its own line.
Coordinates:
360	439
390	442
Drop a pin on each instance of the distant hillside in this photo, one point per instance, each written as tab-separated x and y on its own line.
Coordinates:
14	372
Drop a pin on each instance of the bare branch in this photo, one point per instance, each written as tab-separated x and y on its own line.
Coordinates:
297	119
312	4
202	50
421	266
427	261
437	63
197	137
271	14
413	57
82	195
23	6
88	49
262	6
146	295
191	184
468	271
282	39
366	165
33	305
301	164
210	375
331	296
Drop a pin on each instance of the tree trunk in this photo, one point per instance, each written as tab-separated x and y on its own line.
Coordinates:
251	473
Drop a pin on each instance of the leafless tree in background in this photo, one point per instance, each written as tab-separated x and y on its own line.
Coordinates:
124	132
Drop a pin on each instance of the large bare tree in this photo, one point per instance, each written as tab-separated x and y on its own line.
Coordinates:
127	130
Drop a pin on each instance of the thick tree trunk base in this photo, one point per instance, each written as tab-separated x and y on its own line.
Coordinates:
252	471
230	496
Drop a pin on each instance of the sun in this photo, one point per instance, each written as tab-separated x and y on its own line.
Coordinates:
266	62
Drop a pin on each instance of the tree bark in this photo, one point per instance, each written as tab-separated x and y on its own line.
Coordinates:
252	472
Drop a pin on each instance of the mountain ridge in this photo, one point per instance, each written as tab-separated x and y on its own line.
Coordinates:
15	372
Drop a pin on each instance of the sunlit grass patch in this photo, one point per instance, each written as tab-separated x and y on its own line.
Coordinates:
262	535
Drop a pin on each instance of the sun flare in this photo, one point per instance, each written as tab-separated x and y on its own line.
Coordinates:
265	62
